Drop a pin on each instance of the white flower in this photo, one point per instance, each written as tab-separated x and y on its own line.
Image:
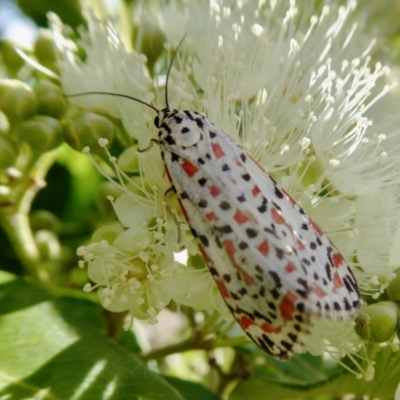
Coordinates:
302	97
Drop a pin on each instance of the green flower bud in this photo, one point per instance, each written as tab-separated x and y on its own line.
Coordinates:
41	133
128	160
10	58
50	98
17	100
393	290
48	245
103	203
4	124
152	44
8	152
44	49
377	322
42	219
86	128
108	233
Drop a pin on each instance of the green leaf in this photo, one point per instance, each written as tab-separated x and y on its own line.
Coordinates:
68	10
382	386
191	390
300	371
56	349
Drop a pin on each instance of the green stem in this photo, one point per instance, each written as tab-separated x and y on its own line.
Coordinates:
16	226
14	217
195	342
185	345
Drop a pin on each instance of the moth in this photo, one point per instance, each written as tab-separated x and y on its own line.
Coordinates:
272	264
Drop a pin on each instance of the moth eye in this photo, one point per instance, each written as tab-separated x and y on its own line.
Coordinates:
157	121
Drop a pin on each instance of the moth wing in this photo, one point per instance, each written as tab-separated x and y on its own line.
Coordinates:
271	263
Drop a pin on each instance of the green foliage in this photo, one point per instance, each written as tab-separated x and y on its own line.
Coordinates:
57	348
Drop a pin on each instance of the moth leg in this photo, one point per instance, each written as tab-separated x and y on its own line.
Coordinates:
167	194
152	142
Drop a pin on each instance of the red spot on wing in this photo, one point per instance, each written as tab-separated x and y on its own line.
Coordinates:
168	174
217	150
318	291
183	210
189	168
229	248
290	268
214	191
248	279
299	244
288	196
263	248
337	259
206	257
337	281
316	227
211	216
245	322
222	289
277	217
255	191
267	328
287	306
240	217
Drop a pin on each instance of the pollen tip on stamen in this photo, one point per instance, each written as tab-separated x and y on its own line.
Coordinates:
334	163
103	142
305	143
87	288
86	150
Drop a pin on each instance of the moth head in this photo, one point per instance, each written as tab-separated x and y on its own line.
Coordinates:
163	116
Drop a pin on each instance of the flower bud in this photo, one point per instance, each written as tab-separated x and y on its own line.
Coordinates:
42	219
377	322
50	98
44	49
105	190
86	128
4	124
17	100
108	233
393	290
8	152
128	159
41	133
152	44
10	58
48	245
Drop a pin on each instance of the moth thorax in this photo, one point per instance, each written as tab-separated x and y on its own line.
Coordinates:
185	132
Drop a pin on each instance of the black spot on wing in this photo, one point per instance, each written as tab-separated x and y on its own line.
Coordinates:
202	181
199	122
189	115
278	192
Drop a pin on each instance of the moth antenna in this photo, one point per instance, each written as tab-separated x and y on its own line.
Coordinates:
169	69
117	95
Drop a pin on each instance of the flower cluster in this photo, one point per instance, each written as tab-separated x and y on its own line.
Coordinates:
298	91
